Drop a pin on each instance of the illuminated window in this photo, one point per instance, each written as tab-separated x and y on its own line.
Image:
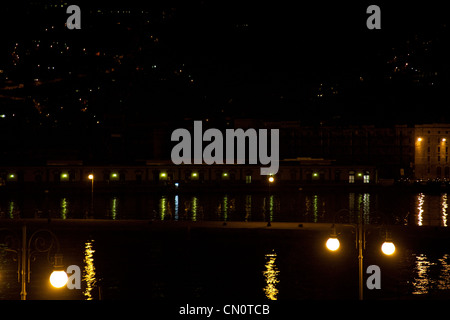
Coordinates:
12	177
225	176
351	177
194	175
366	178
163	176
248	179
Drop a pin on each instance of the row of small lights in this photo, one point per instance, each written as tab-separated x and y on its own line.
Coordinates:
420	139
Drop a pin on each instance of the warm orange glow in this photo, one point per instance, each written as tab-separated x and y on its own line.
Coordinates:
419	139
91	177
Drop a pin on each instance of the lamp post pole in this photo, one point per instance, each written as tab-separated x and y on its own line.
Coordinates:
40	241
23	292
388	248
361	245
91	177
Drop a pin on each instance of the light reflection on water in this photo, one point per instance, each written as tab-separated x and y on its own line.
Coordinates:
89	269
431	275
431	210
271	274
420	209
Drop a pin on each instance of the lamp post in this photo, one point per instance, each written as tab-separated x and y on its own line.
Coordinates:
40	241
270	180
333	244
91	177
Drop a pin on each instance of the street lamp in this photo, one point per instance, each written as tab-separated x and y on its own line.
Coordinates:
40	241
58	278
332	244
270	180
91	177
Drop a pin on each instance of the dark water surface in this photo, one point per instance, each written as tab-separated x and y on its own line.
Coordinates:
172	252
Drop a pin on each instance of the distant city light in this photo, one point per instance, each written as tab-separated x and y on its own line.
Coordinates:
91	177
419	139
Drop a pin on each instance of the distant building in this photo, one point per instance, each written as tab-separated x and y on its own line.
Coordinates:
431	159
390	149
292	172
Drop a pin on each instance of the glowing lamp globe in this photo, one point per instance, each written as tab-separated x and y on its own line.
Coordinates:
388	248
332	244
58	278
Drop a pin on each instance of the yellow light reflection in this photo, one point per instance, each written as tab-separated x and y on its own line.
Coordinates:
225	208
271	276
248	207
64	208
421	281
11	209
421	200
114	206
315	207
89	269
162	207
444	206
194	208
444	276
431	275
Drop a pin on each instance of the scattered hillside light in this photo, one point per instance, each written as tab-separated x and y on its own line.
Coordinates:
12	176
419	139
388	248
443	139
91	177
315	174
2	115
271	179
194	174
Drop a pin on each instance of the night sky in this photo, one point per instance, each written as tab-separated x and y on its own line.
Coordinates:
139	64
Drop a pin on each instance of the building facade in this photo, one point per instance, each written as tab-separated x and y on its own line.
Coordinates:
431	144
